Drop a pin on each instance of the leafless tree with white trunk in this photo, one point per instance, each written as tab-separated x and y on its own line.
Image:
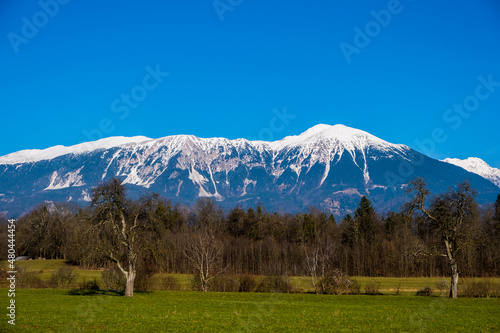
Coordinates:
204	251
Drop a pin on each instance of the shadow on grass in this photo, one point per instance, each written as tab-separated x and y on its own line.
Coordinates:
86	292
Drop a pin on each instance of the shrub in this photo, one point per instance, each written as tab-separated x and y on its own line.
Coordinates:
336	283
114	279
30	279
223	283
442	286
355	287
168	282
144	278
86	288
247	284
143	281
372	288
274	284
63	277
90	285
427	291
398	290
196	283
484	288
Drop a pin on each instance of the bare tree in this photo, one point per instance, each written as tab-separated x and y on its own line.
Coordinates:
118	224
450	213
204	251
316	256
317	230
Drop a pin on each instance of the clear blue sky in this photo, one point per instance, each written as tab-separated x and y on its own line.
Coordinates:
226	76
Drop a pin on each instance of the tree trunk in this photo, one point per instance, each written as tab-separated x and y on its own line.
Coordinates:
454	279
204	277
129	287
454	270
130	275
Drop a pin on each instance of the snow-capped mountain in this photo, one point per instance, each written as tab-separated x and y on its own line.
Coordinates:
477	166
326	166
35	155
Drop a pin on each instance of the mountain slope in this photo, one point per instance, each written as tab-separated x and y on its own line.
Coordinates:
477	166
326	166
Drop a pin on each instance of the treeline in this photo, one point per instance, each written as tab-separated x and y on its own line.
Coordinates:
203	239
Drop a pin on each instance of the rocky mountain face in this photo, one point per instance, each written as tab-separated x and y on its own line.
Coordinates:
331	167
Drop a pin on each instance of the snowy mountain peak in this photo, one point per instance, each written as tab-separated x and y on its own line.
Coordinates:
348	136
316	129
344	132
332	135
35	155
477	166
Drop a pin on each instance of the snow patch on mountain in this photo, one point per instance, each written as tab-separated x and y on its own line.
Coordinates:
85	196
349	191
325	174
133	178
296	168
200	180
196	177
70	179
179	188
477	166
35	155
247	182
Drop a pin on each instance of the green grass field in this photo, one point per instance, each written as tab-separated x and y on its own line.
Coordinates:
56	310
46	310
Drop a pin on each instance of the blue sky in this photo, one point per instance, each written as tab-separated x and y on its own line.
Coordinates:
228	67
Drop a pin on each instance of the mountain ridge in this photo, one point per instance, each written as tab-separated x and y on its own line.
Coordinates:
326	166
35	155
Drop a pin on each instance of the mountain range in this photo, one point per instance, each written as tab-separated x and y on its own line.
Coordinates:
330	167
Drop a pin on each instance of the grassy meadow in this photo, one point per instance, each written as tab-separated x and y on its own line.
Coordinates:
56	310
47	310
